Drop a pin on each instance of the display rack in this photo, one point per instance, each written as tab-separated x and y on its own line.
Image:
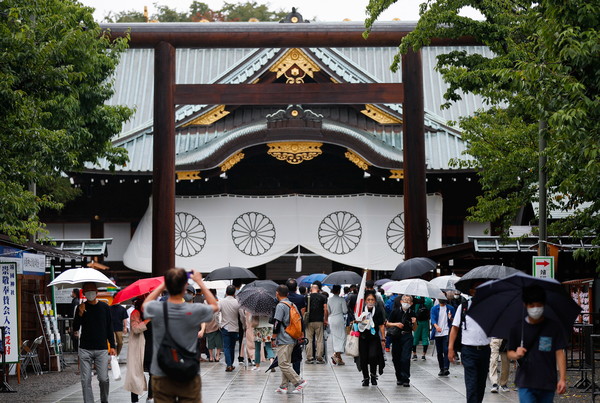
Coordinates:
50	331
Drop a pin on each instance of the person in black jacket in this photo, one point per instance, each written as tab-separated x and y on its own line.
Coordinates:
404	318
93	317
372	339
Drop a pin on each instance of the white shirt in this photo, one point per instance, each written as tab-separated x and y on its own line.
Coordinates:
472	333
443	321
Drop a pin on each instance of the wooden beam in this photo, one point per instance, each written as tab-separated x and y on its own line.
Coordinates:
415	189
269	34
163	172
286	94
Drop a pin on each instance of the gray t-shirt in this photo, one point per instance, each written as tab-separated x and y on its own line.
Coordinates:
184	325
282	314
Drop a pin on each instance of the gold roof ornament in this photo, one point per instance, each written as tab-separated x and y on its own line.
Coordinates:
294	65
231	161
209	117
188	175
295	152
397	173
357	160
379	115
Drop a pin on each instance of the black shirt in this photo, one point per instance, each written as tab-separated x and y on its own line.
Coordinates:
96	327
537	370
317	307
118	314
399	316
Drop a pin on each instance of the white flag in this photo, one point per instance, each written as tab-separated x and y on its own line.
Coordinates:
360	299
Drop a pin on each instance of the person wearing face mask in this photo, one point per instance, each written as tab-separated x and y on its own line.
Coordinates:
538	343
371	342
405	319
94	319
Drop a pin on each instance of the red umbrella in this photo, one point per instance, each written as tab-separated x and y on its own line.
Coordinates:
140	287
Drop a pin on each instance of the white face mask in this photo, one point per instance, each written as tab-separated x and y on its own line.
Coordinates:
536	312
456	296
90	295
405	306
370	304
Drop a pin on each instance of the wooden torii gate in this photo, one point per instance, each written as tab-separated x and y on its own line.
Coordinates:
166	37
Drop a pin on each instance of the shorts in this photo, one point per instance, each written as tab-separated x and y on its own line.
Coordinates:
214	340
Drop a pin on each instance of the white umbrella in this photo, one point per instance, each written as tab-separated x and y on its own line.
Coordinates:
445	282
215	284
78	276
416	287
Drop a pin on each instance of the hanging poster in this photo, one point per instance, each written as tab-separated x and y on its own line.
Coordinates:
8	319
361	230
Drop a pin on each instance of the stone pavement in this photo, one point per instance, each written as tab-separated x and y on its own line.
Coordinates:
326	383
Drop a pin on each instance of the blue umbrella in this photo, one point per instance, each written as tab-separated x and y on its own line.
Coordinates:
498	305
311	278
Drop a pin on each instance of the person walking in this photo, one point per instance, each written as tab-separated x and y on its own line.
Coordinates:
214	339
119	318
403	318
498	350
94	319
135	381
263	334
337	308
538	343
299	300
441	318
371	341
422	310
184	325
318	317
230	325
475	350
284	343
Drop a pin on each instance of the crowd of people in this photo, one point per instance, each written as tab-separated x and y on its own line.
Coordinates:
209	328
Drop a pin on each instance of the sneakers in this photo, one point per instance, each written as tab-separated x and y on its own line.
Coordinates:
446	372
504	388
320	361
310	361
414	357
423	358
442	373
281	389
494	388
299	387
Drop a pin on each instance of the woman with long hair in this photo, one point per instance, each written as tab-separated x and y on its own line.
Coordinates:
139	353
372	339
337	308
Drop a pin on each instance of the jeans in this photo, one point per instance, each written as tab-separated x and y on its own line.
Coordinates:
401	347
86	359
441	346
229	339
268	351
529	395
476	362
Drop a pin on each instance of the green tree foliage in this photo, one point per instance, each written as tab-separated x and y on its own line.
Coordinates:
544	68
54	79
201	11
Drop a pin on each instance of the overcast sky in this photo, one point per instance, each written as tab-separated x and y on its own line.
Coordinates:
323	10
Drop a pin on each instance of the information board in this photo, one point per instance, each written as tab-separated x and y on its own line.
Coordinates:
8	319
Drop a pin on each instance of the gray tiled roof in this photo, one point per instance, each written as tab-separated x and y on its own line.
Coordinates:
134	87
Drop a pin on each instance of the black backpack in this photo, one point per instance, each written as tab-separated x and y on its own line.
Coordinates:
423	313
177	362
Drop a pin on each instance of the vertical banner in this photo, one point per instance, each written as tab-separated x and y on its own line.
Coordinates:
8	319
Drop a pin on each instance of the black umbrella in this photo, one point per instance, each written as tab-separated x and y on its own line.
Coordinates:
413	268
382	281
257	301
296	354
268	285
498	305
342	277
230	273
483	273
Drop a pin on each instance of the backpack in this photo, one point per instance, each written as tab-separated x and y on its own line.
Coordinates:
294	329
423	313
177	362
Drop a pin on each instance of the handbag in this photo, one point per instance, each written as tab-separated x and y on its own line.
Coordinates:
351	348
393	331
114	368
177	362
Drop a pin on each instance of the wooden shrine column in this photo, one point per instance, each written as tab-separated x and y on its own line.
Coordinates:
413	134
163	172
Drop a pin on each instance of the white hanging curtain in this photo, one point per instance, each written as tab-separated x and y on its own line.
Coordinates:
362	230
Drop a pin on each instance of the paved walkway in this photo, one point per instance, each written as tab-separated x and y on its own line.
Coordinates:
326	383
